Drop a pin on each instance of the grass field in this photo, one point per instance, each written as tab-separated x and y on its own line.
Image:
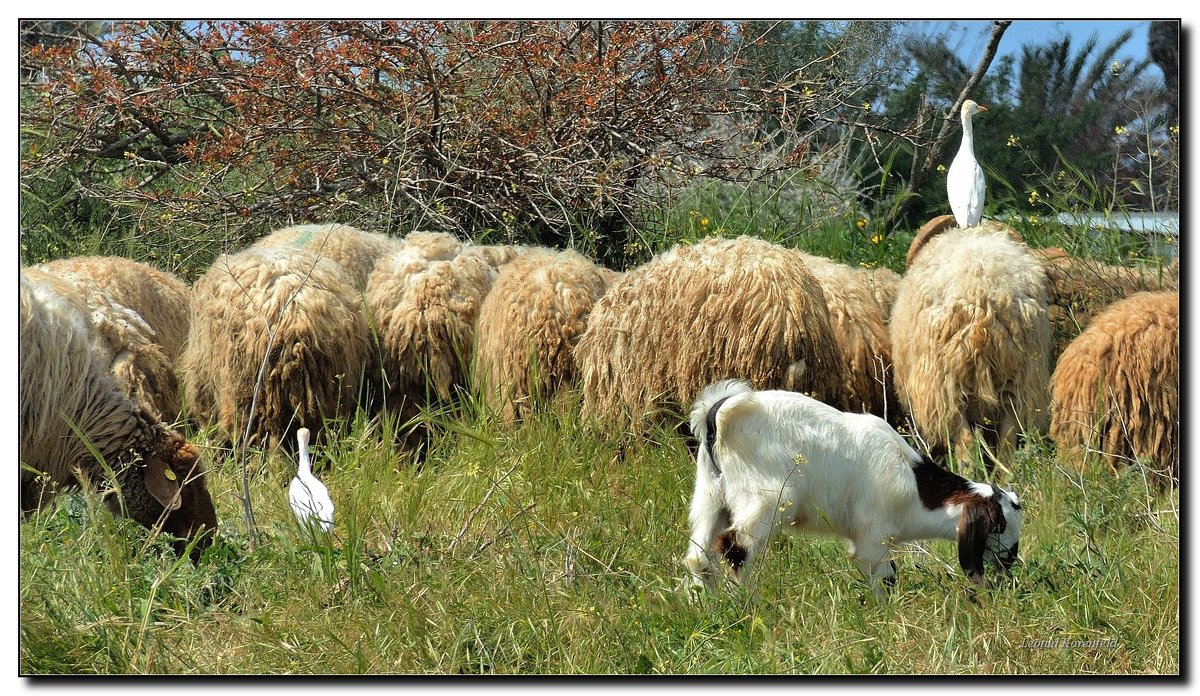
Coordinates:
549	549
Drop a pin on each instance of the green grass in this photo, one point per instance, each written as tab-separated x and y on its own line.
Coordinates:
548	549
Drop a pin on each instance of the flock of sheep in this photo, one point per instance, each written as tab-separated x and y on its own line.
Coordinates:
982	338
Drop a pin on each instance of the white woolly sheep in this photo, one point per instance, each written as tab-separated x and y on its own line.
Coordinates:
161	299
351	248
528	326
69	399
285	311
124	344
423	309
860	327
971	341
1115	390
718	309
772	459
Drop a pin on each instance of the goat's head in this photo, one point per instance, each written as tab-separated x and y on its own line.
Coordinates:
988	530
179	503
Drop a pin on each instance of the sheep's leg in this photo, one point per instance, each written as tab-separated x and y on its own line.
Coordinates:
871	557
708	517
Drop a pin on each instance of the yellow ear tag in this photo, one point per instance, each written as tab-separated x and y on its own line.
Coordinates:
169	474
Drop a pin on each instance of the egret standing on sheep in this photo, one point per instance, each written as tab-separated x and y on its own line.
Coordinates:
310	498
964	182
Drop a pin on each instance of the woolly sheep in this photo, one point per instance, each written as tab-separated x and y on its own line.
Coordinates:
718	309
299	312
353	249
123	343
158	297
883	283
67	395
1080	289
776	458
860	327
528	326
1116	387
971	340
423	309
941	224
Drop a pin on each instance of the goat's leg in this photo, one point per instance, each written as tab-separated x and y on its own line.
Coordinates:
871	557
741	544
708	517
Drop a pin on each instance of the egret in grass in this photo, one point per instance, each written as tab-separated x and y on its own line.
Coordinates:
964	182
310	499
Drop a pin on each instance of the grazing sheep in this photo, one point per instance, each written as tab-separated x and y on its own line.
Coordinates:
298	312
777	458
423	309
67	395
159	298
860	327
971	340
351	248
941	224
1080	289
1115	390
124	344
718	309
432	246
883	283
528	327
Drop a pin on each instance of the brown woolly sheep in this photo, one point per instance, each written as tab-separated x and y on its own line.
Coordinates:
423	308
860	327
883	283
123	343
971	340
159	298
528	326
719	309
299	313
1080	289
1115	390
353	249
69	400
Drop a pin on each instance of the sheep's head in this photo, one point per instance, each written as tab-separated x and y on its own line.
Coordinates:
989	530
178	501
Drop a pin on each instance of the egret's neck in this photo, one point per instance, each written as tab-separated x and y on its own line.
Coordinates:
305	465
968	136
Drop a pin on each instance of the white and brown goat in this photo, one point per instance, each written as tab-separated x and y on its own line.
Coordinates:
768	458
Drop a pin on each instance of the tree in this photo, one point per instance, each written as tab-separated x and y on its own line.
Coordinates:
541	126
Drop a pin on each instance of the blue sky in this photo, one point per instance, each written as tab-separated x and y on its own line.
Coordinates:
968	37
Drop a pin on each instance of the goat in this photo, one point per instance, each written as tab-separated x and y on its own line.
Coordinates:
768	458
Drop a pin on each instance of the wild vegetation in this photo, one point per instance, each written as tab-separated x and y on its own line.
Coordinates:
548	546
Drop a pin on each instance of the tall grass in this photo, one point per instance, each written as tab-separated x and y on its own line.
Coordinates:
554	548
549	549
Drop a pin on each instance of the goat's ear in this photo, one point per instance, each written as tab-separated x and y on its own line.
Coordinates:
167	470
979	518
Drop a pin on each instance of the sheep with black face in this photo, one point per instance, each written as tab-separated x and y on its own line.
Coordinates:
769	458
73	408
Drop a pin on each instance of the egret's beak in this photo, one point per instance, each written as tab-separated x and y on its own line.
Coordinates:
981	107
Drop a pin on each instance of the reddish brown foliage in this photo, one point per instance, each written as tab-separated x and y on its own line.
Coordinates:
457	125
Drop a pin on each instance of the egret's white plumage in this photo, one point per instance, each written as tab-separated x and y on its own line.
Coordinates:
309	497
964	181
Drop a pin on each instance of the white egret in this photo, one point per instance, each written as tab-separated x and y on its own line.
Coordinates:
964	181
309	497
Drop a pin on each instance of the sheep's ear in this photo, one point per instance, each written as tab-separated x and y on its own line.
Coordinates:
977	520
166	472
